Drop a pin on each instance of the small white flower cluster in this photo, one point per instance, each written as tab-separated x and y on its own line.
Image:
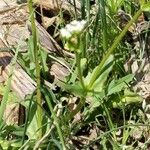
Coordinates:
75	27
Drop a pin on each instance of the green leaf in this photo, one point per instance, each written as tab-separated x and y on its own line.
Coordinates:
16	143
118	85
83	64
75	89
57	143
103	75
12	96
146	7
126	99
43	60
141	2
32	127
4	144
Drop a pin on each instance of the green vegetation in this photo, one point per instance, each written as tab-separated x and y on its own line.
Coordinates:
96	106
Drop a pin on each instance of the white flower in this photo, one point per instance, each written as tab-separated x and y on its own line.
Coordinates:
65	33
75	27
74	22
83	22
71	28
78	26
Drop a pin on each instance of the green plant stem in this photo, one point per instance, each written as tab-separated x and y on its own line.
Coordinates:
82	100
78	62
87	35
75	9
110	123
104	24
56	121
8	86
83	15
37	67
27	118
112	48
83	9
96	25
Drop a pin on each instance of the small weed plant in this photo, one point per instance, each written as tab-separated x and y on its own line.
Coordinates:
105	103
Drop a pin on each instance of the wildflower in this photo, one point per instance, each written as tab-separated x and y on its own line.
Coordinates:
75	27
71	28
65	33
83	22
71	34
74	22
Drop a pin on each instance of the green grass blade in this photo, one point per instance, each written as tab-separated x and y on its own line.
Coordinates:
8	86
37	65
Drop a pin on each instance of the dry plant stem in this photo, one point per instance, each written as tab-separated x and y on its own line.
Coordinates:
112	48
36	57
37	145
12	8
41	10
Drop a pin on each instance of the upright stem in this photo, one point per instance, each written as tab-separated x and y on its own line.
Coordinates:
8	87
37	67
88	7
83	16
75	8
56	120
104	24
83	9
78	62
82	99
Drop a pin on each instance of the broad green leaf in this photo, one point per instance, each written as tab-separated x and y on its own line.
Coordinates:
118	85
83	64
146	7
75	89
94	98
32	127
12	96
141	2
103	75
4	144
